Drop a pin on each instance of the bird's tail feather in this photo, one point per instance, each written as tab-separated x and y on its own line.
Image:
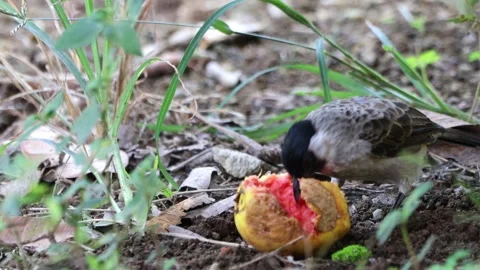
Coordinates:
468	135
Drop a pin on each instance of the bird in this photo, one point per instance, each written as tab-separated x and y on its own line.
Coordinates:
368	139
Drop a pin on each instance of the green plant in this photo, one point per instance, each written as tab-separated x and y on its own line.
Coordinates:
114	26
352	254
453	262
399	218
361	80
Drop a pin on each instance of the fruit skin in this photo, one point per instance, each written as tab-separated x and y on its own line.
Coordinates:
265	224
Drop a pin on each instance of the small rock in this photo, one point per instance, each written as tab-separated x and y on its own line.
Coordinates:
384	199
377	214
235	163
459	191
223	76
352	209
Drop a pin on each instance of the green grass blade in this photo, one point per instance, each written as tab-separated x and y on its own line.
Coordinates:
380	35
335	94
80	52
295	112
62	56
290	12
245	83
181	69
320	51
89	9
121	110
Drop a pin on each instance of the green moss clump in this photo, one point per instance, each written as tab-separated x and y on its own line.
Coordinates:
351	254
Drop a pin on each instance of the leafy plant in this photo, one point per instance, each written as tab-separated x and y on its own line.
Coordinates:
399	218
453	262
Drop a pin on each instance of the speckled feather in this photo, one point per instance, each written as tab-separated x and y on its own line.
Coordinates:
389	127
372	139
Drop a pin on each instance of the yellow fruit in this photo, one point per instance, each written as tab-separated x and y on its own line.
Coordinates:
267	216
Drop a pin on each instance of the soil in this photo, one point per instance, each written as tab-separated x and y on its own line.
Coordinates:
443	209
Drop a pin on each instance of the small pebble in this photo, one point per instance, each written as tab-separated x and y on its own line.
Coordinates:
377	214
383	199
352	209
459	191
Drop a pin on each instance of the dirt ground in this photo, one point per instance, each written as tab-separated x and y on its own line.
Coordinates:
441	209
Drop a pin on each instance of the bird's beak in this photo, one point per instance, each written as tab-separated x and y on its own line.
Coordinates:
296	189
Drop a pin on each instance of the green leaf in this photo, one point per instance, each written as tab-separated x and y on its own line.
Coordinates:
463	18
124	35
134	7
51	108
79	34
321	93
222	27
419	24
474	56
245	83
424	59
37	193
389	223
425	249
320	52
413	201
86	121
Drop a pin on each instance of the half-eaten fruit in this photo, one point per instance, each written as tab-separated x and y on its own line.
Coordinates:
268	218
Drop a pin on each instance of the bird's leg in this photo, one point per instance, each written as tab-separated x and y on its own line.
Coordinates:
398	201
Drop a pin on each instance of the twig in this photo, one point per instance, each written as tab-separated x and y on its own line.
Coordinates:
195	191
206	240
181	165
253	146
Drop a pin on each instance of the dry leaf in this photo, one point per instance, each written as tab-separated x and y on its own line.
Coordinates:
216	208
235	163
174	214
444	120
463	154
199	178
38	151
30	231
69	169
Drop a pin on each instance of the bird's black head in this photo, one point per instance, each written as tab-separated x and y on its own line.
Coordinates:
296	158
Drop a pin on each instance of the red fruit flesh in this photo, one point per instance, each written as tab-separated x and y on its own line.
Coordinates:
281	188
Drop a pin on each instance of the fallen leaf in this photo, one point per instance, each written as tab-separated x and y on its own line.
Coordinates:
39	151
70	169
215	209
174	214
223	76
30	231
444	120
463	154
235	163
199	178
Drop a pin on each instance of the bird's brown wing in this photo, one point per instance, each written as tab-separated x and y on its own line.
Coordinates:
401	126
